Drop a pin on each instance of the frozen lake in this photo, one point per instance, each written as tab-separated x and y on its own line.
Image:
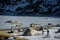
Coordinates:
27	20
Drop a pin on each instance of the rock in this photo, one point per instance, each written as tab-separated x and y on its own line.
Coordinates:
58	37
47	36
27	33
58	31
34	31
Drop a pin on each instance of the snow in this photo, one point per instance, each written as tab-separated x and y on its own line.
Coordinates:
40	37
26	21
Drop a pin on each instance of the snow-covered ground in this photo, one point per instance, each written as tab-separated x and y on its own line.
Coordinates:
26	21
40	37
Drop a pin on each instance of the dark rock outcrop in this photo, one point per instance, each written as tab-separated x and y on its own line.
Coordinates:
27	33
58	31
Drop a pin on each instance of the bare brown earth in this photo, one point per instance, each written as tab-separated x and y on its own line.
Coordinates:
4	34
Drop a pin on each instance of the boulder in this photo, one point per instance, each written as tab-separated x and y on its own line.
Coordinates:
58	31
27	33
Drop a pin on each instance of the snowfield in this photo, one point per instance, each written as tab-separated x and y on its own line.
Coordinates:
26	23
40	37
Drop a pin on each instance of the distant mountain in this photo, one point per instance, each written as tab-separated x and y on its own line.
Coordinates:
49	8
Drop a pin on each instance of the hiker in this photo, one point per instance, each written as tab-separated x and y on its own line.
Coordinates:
47	32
